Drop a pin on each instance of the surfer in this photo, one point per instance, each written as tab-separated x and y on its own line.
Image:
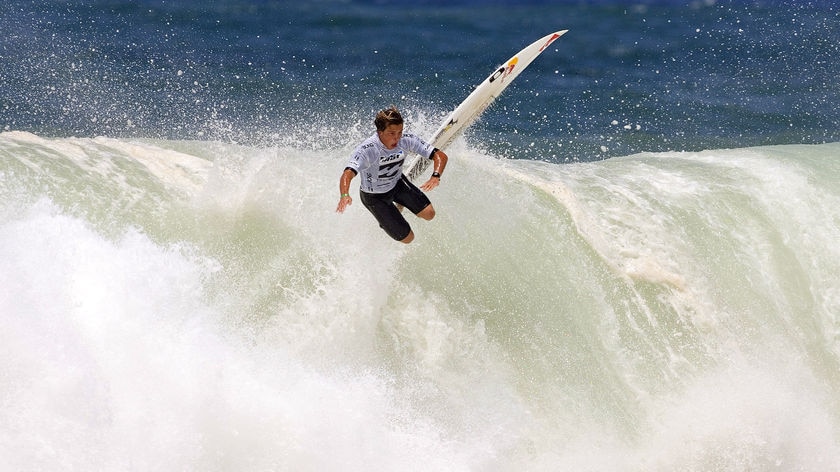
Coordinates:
384	190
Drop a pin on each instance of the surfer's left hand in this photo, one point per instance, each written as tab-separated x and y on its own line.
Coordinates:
430	184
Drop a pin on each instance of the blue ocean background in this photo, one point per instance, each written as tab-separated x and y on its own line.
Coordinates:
634	267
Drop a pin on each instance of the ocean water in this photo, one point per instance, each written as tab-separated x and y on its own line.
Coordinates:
634	266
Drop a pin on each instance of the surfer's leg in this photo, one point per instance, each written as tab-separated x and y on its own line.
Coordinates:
427	213
388	216
409	196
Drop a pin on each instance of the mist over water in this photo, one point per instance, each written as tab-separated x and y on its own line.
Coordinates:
627	78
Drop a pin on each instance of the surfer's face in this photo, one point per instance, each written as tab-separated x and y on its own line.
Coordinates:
391	135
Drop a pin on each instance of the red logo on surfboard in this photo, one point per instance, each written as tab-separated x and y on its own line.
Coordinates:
550	40
511	64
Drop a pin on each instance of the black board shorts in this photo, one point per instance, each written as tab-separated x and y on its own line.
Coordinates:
386	213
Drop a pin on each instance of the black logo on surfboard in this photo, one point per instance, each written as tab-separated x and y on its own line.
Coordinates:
498	73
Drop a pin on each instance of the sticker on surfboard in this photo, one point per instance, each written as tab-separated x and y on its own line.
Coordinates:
483	95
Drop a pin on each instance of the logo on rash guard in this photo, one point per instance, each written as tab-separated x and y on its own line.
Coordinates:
389	165
393	157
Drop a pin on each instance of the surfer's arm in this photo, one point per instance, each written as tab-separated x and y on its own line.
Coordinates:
440	158
344	189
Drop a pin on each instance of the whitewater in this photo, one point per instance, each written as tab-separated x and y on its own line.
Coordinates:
199	305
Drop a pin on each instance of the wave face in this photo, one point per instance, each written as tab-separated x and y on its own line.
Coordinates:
172	305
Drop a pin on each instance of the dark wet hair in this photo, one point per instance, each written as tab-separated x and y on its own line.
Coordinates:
388	116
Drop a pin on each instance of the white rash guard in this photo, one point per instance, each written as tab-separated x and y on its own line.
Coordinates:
381	168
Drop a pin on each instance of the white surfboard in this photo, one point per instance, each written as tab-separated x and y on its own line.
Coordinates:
479	100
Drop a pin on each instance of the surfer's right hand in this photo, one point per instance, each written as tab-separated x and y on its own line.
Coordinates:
343	203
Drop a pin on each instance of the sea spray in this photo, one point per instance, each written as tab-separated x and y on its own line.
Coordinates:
210	310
